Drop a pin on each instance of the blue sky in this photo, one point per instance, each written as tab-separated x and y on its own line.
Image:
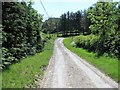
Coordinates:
57	7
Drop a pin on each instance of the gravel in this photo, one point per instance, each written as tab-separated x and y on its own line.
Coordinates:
67	70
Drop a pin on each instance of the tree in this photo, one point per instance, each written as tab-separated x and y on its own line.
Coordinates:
78	21
103	23
51	25
85	23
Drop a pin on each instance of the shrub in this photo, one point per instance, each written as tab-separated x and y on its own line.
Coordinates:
88	42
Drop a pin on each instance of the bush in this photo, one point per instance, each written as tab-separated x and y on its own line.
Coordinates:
88	42
110	46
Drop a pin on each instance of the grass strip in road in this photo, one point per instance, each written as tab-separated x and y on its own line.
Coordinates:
107	65
24	72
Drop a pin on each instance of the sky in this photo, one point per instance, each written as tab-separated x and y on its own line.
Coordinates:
55	8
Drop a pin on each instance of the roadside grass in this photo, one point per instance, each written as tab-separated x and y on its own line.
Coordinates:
0	79
107	65
24	73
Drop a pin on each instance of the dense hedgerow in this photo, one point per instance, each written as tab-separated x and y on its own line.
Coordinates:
21	26
88	42
93	43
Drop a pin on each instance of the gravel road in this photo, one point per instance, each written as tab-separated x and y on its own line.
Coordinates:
67	70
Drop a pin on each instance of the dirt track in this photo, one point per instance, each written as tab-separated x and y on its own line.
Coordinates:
67	70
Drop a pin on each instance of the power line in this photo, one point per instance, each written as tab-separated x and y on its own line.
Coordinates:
44	8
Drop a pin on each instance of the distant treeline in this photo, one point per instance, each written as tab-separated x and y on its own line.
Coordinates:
21	26
74	23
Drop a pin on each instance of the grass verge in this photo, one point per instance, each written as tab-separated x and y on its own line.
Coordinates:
24	73
107	65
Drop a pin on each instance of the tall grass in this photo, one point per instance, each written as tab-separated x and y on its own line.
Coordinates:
107	65
24	72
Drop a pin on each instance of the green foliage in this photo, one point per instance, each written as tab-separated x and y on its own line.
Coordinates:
51	25
21	31
104	17
70	23
85	23
101	24
88	42
23	74
74	23
102	20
